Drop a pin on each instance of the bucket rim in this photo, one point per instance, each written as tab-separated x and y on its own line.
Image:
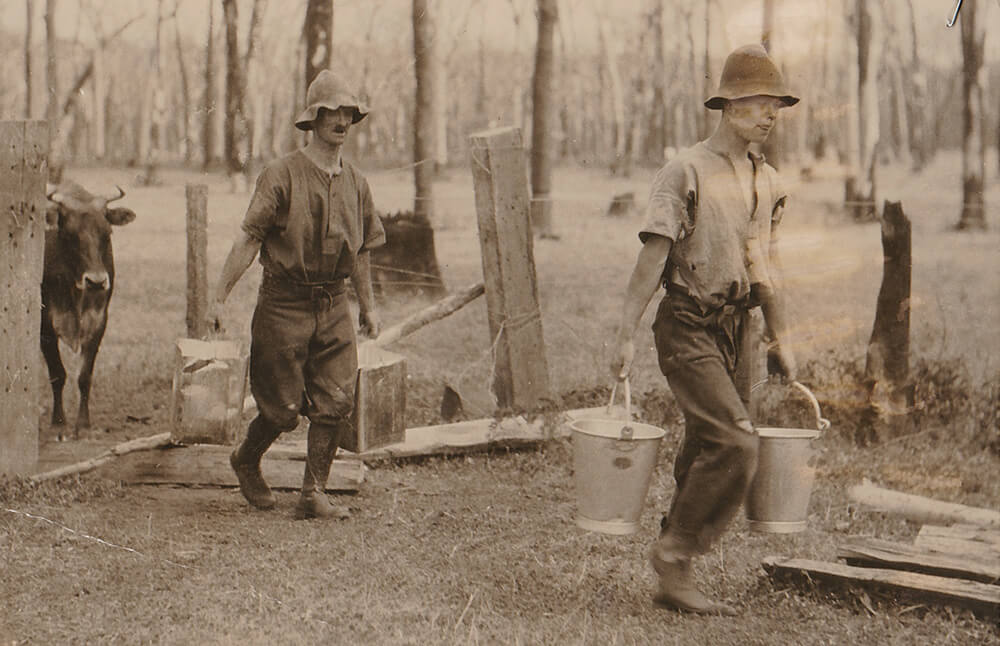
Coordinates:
787	433
640	431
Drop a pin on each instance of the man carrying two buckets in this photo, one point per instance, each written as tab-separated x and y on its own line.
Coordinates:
709	239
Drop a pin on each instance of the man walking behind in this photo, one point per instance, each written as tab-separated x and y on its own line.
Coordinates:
709	239
313	222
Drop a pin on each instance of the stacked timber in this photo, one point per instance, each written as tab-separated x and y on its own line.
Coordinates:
956	562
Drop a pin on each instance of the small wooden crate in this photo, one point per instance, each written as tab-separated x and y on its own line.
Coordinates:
209	385
379	400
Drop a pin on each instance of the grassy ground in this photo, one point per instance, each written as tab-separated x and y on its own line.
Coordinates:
484	549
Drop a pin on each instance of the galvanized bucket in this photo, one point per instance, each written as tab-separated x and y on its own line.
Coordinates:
778	501
613	463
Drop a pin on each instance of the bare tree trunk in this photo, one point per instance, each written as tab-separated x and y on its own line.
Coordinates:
318	30
860	190
973	121
52	81
208	101
423	138
657	141
99	98
916	105
609	51
887	367
185	89
252	118
234	91
870	43
29	10
541	113
773	147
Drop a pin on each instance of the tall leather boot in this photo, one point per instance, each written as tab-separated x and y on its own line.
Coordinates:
676	588
322	442
245	460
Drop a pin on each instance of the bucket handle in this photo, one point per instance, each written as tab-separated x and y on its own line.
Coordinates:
626	432
822	423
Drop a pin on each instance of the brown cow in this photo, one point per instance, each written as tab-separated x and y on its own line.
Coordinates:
77	281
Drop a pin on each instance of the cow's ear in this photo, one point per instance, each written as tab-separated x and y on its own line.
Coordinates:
120	216
52	217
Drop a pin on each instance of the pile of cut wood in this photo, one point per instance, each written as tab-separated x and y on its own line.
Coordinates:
954	560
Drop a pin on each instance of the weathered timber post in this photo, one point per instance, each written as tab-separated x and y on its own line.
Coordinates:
22	251
887	367
503	208
197	260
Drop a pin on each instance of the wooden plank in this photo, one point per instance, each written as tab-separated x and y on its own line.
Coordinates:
976	542
462	437
871	552
980	597
22	250
499	173
921	509
208	465
197	260
964	532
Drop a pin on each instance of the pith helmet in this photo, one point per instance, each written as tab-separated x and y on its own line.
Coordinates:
749	71
330	91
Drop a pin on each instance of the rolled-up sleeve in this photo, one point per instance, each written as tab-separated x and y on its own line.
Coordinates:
374	232
269	202
672	202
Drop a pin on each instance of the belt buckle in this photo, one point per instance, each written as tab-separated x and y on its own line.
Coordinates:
317	292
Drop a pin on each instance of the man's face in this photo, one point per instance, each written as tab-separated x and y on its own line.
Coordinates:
332	125
753	117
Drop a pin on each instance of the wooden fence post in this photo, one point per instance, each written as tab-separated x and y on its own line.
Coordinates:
197	260
23	146
887	368
503	207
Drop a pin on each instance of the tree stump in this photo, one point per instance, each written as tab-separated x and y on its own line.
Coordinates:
887	369
407	262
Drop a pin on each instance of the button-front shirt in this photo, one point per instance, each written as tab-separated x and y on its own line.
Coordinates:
721	232
312	224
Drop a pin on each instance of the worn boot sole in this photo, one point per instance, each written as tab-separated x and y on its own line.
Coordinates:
677	592
252	484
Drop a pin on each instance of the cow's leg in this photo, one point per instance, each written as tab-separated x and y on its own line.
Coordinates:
57	373
89	356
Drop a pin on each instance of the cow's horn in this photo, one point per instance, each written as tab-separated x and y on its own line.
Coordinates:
120	195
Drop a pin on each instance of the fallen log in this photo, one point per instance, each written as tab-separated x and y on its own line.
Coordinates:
921	509
429	314
871	552
982	598
141	444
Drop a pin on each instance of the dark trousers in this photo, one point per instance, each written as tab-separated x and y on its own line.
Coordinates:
303	354
699	356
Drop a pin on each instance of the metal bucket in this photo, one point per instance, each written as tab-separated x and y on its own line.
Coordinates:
778	500
613	462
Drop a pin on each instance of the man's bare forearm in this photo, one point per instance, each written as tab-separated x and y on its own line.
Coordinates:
241	255
643	283
361	280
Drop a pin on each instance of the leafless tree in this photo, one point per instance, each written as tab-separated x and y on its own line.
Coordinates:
541	128
972	22
29	10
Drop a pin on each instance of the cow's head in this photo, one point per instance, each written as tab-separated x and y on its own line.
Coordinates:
80	225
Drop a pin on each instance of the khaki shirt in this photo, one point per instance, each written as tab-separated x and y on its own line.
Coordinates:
721	238
311	225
